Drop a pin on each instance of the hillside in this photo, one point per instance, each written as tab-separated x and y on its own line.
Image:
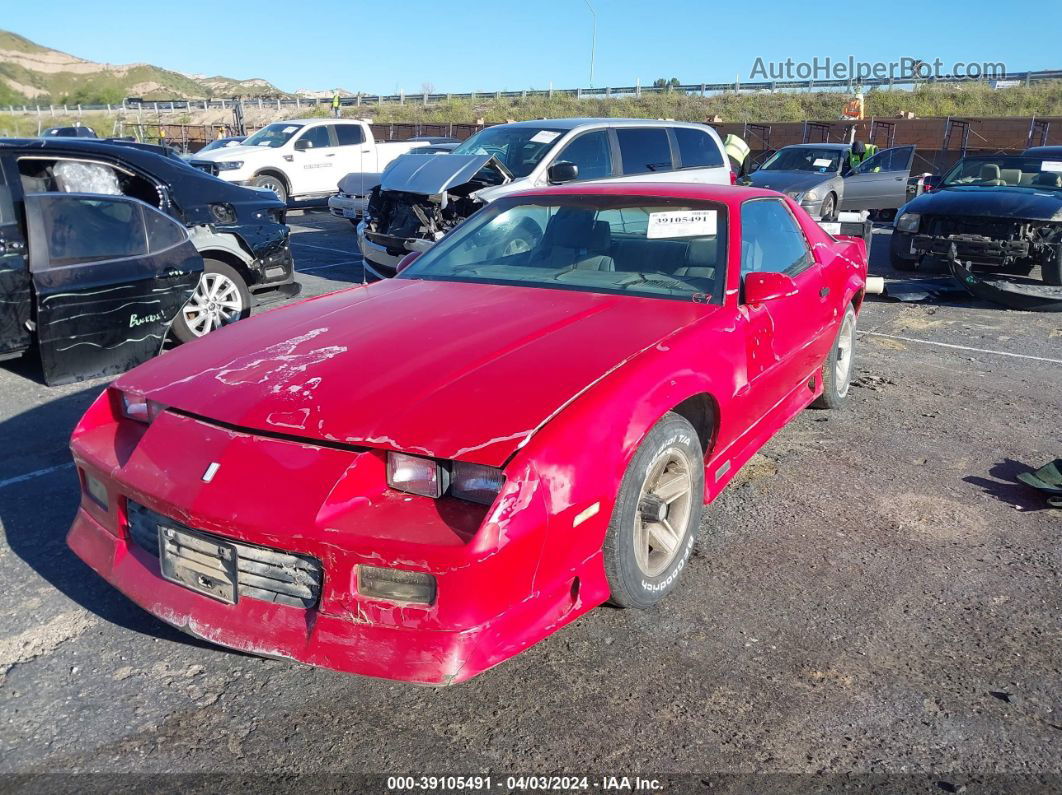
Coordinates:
30	73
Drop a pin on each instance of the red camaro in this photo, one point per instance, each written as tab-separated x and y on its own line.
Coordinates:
419	478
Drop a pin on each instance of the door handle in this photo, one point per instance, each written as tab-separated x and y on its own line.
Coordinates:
825	291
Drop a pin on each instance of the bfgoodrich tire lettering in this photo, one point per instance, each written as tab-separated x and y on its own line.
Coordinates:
656	516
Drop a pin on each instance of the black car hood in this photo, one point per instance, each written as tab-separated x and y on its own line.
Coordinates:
1001	202
788	180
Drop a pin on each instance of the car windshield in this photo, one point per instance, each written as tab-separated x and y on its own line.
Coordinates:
800	158
1022	171
273	135
632	245
519	149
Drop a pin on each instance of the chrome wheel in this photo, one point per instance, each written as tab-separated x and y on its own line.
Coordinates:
842	366
664	506
216	302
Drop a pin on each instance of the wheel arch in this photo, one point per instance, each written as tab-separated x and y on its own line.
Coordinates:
233	261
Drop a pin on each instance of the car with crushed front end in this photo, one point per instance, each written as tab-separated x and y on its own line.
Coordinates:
994	211
241	233
418	478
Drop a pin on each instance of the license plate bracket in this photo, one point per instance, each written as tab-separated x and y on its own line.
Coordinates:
198	562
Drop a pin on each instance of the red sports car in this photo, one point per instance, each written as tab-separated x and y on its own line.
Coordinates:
419	478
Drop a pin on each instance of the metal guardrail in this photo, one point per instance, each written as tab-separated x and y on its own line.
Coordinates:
701	89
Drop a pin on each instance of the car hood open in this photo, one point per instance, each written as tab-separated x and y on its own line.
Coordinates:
431	175
441	369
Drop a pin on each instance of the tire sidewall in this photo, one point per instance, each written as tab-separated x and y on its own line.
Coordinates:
629	585
283	195
831	396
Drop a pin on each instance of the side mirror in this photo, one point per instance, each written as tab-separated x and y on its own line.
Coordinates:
302	145
406	261
760	287
562	172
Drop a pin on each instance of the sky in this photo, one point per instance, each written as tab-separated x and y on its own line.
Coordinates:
472	45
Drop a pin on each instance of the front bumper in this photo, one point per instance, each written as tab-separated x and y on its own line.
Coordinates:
813	206
377	260
489	603
349	207
976	248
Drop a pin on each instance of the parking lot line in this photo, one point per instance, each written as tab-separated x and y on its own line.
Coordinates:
34	474
321	248
964	347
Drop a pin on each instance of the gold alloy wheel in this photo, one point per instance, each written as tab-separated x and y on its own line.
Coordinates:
664	506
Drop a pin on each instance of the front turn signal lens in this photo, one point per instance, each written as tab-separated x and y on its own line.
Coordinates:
396	585
475	482
415	475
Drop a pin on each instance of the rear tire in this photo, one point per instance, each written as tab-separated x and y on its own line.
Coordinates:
656	515
837	369
273	183
220	299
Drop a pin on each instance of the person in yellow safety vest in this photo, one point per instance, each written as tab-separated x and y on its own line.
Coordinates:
738	152
860	152
335	103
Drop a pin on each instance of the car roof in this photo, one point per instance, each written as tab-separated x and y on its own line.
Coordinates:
571	124
727	194
1043	150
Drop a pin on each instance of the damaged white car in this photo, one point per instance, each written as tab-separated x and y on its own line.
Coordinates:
420	199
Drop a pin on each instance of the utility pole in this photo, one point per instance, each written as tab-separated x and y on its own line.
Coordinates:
593	41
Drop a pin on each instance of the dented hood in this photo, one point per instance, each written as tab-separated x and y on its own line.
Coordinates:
431	175
443	369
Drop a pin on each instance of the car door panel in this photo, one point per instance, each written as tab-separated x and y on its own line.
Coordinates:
109	275
15	294
880	190
318	166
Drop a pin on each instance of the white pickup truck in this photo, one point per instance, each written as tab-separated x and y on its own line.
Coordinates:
302	158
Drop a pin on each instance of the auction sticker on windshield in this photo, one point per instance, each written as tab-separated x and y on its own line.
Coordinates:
682	223
822	162
1051	165
544	137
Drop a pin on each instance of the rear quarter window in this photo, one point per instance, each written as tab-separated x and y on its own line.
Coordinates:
697	149
80	229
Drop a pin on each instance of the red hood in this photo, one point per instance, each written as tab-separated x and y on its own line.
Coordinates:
450	370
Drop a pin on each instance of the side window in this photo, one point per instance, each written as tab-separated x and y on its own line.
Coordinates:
887	160
162	231
591	153
317	137
770	239
644	150
349	135
79	229
697	149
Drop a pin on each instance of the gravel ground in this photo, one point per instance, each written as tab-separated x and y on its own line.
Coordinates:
874	602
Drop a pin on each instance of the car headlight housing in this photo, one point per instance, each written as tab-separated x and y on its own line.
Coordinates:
137	407
431	478
223	213
908	222
229	165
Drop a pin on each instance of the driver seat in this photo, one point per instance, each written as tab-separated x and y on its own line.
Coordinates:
575	241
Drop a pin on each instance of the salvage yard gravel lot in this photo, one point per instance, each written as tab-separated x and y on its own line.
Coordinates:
874	594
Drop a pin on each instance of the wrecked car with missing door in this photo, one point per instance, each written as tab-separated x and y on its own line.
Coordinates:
240	232
419	201
995	212
420	495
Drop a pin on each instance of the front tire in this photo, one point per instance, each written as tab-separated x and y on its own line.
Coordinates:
837	369
220	298
829	207
273	183
656	516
